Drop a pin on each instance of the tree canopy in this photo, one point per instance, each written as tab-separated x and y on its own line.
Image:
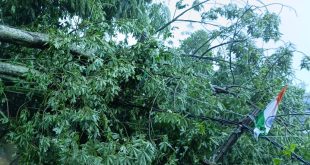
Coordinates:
73	92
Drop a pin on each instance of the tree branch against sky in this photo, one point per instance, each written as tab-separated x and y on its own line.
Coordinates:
294	26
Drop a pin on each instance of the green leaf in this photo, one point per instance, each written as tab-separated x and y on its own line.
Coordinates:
179	5
276	161
3	118
197	8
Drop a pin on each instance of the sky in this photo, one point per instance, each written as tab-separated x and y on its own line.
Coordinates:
295	27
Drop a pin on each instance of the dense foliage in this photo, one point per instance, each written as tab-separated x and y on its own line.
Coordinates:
144	102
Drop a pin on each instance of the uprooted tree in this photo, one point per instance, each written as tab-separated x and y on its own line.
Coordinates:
72	93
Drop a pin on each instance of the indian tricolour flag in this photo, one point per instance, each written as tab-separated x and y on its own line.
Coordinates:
265	118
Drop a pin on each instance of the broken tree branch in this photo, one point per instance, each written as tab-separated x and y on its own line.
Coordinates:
34	40
13	70
21	37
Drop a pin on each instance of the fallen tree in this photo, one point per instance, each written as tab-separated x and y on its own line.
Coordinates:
146	103
13	70
34	40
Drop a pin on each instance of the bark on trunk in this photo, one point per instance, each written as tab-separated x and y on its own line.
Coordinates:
13	70
21	37
34	40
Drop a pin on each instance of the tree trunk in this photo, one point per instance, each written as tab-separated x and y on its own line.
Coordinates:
35	40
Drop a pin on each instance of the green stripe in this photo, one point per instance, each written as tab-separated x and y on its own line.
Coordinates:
260	121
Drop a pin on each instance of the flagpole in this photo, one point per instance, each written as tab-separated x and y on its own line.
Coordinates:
234	136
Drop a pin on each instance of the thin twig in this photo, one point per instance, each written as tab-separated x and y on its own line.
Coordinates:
224	43
207	58
174	19
194	21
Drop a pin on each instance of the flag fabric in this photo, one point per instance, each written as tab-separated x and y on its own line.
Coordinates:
265	118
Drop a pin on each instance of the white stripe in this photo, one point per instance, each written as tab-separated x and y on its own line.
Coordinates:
270	113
